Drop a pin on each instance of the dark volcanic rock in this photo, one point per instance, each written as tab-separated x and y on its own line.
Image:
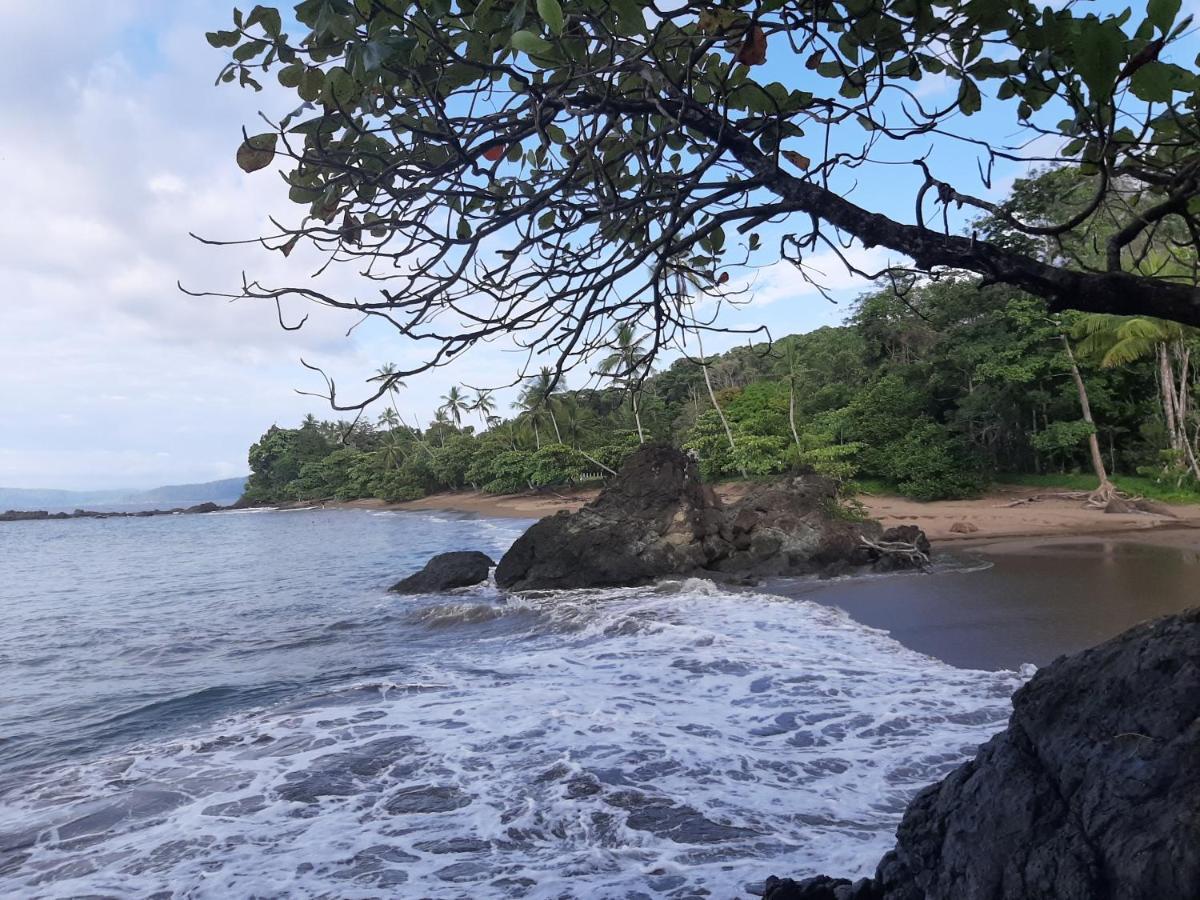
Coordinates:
461	568
656	519
1091	793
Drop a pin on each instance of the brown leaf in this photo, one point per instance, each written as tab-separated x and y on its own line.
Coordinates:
799	160
494	152
287	248
724	278
753	51
256	152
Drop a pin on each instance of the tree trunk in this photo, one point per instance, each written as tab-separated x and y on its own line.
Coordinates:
637	418
792	412
1166	379
554	422
1106	487
712	394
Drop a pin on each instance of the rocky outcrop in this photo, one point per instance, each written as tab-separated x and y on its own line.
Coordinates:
446	571
657	519
39	515
1091	793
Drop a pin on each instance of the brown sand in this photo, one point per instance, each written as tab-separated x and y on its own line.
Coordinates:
992	516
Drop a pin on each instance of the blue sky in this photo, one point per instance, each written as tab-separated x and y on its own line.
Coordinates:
115	145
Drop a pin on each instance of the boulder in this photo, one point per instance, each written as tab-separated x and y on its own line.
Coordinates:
1091	793
964	527
203	508
460	568
656	519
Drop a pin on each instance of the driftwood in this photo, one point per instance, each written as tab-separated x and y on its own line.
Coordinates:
910	553
1097	499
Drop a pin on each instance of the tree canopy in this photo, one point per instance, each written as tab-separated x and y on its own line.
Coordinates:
553	170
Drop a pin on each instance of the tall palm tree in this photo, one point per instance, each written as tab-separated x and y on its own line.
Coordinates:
484	405
454	404
390	418
537	397
624	363
387	374
1121	340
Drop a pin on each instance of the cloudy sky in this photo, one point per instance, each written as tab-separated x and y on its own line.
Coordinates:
114	145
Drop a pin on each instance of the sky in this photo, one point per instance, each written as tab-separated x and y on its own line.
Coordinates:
114	145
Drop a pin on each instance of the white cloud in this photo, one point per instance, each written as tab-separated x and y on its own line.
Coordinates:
826	270
109	376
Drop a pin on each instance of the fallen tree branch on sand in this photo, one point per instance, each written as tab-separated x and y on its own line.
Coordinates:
903	550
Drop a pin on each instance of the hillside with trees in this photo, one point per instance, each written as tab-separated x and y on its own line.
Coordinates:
933	390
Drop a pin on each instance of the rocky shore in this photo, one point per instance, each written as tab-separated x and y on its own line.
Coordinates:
38	515
657	519
1091	793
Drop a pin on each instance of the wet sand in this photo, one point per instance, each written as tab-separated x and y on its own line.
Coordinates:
991	516
1038	599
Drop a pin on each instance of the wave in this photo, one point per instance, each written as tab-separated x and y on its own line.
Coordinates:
644	741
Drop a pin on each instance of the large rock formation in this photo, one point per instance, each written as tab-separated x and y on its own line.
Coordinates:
1091	793
446	571
657	519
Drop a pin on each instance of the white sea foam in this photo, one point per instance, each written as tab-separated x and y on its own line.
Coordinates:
646	742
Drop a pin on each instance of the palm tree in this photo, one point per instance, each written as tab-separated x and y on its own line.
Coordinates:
1105	491
392	451
387	374
536	398
623	363
484	405
455	404
1121	340
390	418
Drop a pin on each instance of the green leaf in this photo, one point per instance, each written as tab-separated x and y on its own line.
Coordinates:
291	76
1099	54
464	230
630	19
1162	13
530	44
1153	82
551	14
222	38
969	100
257	152
268	17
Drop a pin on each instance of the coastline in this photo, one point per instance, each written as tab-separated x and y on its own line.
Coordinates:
994	518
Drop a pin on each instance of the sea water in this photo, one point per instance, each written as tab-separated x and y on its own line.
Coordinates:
231	705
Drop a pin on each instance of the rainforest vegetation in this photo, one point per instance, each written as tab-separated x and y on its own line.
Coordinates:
932	390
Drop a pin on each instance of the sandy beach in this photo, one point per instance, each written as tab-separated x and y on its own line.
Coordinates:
974	522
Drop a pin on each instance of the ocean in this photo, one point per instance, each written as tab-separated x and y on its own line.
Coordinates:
231	705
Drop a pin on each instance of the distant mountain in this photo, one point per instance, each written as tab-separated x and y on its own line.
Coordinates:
224	492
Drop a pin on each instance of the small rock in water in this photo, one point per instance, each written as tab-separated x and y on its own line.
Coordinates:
446	571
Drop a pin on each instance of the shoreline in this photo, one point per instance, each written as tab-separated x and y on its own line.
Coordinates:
993	517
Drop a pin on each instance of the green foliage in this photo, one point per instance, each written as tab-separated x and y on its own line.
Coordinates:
1062	440
927	463
450	463
930	393
510	472
555	464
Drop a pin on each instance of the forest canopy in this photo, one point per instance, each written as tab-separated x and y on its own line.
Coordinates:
552	170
